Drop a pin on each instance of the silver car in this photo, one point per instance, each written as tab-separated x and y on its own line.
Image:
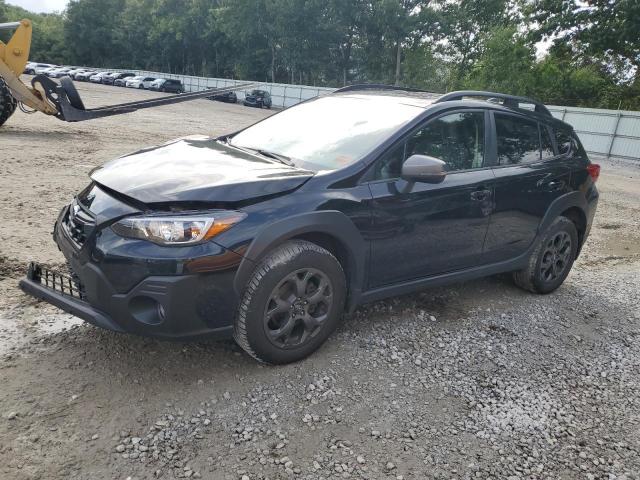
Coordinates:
139	82
97	78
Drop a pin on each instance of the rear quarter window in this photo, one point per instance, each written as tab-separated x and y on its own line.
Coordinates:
563	140
547	145
518	140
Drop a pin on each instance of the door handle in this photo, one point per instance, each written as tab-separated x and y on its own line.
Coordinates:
480	195
555	185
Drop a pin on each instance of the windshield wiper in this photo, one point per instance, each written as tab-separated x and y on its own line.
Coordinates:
276	156
265	153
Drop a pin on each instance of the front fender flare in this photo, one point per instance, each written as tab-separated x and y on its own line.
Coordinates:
330	222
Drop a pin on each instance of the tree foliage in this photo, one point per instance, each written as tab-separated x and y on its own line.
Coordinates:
440	45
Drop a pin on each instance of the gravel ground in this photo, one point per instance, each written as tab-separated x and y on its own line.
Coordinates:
476	380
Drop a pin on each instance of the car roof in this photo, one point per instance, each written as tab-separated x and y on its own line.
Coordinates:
415	99
470	99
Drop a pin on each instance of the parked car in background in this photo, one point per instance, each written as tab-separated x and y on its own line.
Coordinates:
28	68
44	70
140	81
73	72
84	76
257	98
166	85
227	97
111	79
31	67
98	77
122	82
59	72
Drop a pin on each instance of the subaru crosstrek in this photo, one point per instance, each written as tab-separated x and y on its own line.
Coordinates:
271	233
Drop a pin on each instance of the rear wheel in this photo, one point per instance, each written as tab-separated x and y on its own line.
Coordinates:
292	303
552	259
8	104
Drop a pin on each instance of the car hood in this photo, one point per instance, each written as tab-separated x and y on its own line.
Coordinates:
197	169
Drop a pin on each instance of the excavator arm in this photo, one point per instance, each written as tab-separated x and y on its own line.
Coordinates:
13	58
62	99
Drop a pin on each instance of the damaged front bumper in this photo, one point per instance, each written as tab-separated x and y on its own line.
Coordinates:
60	289
136	287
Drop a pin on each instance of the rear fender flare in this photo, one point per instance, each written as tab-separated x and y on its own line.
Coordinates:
559	205
333	223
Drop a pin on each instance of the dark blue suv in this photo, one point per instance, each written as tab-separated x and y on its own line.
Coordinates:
272	233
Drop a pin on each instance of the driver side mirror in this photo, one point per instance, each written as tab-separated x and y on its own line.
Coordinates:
423	168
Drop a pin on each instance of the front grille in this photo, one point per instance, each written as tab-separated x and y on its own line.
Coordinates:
78	224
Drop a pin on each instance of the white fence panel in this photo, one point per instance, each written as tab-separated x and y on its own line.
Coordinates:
612	133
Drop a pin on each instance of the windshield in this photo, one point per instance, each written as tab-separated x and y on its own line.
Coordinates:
330	132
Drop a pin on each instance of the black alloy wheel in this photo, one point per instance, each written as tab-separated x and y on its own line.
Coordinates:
293	301
551	259
297	308
555	256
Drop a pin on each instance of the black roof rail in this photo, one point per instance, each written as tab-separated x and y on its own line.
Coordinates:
378	86
510	101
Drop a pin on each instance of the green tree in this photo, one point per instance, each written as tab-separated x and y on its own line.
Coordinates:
505	64
559	80
463	27
91	32
605	29
47	42
425	69
347	20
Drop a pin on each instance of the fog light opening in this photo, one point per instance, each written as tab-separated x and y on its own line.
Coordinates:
147	310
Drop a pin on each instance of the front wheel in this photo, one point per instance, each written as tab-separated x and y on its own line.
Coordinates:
8	104
552	258
292	303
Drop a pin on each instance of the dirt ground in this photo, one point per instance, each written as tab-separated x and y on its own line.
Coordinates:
476	380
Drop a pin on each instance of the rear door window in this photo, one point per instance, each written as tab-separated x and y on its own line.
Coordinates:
518	140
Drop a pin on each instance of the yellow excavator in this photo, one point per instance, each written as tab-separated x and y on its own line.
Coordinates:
61	99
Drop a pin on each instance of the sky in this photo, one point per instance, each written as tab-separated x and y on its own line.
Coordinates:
40	6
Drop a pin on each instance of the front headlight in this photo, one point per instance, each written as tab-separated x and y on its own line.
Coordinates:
177	229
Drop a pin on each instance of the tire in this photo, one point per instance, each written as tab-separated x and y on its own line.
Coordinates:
289	276
8	104
552	258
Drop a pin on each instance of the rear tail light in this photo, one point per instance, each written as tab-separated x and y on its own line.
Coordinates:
594	171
